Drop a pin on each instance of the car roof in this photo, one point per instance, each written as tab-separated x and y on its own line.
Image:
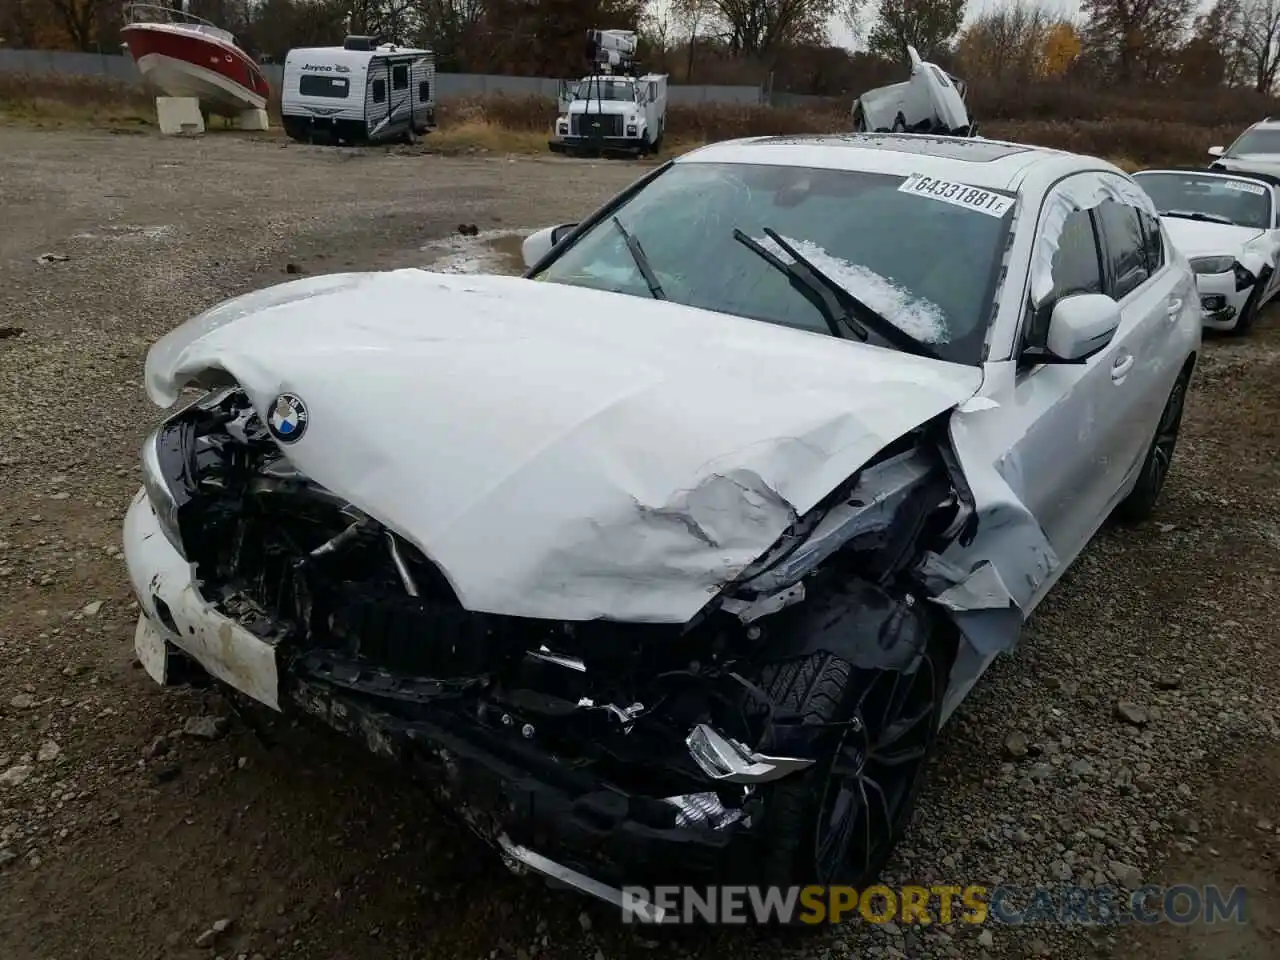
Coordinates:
995	164
1257	177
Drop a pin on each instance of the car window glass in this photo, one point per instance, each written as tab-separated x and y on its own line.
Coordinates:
1256	141
424	90
1124	246
929	265
379	91
1237	200
1152	241
1076	269
399	76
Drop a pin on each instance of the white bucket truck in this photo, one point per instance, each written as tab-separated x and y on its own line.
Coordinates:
611	110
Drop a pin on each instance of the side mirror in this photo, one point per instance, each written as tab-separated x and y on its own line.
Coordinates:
537	245
1081	325
1216	151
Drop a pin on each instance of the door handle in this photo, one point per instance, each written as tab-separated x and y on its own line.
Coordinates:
1175	308
1120	369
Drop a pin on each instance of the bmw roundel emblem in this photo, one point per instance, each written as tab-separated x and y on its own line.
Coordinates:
288	419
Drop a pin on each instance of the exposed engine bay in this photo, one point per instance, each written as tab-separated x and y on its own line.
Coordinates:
639	728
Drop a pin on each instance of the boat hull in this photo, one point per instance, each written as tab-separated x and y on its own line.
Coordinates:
175	63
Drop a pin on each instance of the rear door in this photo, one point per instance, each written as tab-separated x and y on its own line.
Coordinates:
1151	301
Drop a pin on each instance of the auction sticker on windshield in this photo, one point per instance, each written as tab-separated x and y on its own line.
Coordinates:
960	194
1243	187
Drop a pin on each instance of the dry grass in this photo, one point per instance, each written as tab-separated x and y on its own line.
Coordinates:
56	101
1141	130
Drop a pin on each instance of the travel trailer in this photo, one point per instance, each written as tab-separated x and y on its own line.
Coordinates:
932	101
611	110
364	91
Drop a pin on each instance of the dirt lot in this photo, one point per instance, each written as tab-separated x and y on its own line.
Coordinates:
122	836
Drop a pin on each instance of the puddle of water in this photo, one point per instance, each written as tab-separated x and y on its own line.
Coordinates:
489	251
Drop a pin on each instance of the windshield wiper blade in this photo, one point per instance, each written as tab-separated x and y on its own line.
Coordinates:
642	261
1197	215
810	286
808	274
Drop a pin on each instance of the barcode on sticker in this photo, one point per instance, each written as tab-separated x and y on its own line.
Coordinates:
1243	187
960	194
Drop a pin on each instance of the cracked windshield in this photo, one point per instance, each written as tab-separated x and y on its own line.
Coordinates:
927	265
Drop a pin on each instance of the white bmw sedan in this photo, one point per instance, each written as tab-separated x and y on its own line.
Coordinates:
1228	225
670	558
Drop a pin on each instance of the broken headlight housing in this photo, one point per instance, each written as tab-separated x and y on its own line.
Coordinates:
165	470
159	490
1245	277
1208	265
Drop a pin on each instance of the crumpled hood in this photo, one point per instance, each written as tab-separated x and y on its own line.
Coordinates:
561	452
1195	238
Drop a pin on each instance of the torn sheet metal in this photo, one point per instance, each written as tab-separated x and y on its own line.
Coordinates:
869	510
990	579
1082	191
977	599
561	452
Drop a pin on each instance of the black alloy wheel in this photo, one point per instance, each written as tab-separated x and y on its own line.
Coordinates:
875	773
1141	502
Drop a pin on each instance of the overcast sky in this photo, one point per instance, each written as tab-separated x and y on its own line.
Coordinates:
842	37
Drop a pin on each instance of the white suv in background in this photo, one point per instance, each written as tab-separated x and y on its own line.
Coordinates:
1257	150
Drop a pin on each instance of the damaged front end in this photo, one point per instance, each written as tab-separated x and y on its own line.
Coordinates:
597	752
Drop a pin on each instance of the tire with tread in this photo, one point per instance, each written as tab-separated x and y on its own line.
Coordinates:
1141	501
823	688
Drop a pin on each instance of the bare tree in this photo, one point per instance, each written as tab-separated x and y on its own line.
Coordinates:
757	27
1259	41
394	20
852	13
693	19
79	18
1139	39
927	25
1009	41
452	28
1214	54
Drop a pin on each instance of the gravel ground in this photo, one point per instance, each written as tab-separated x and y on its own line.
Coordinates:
139	822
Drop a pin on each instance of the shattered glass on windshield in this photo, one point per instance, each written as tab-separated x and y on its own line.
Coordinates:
919	317
930	267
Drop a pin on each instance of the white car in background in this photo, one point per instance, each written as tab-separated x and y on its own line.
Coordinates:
670	558
1228	225
1257	150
